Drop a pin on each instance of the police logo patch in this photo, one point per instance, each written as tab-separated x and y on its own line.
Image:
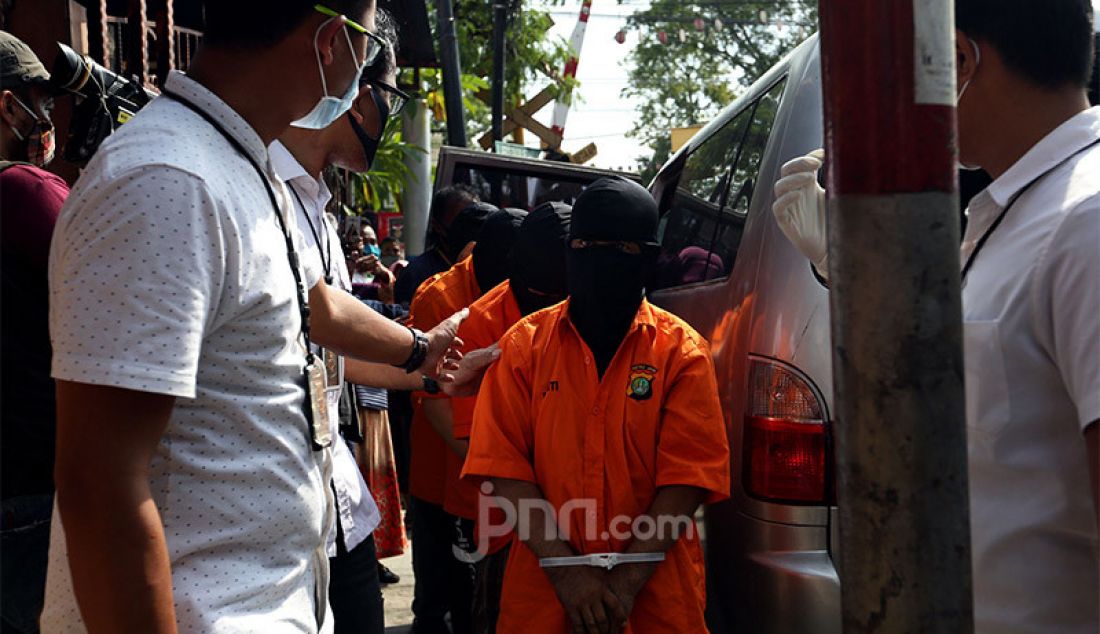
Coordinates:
640	385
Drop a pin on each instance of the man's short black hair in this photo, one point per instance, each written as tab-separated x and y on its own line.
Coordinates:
451	196
385	28
251	24
1047	42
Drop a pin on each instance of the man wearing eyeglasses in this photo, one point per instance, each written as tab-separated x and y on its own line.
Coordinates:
193	442
299	157
605	408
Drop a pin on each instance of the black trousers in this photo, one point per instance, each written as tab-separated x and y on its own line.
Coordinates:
488	584
443	583
355	593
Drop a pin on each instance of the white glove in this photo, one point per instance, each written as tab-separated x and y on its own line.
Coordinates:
799	209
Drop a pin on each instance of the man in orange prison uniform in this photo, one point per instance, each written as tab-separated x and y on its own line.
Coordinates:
606	408
434	566
536	280
458	286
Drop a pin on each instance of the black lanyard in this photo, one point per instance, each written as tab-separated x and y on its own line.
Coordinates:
1011	202
325	247
292	256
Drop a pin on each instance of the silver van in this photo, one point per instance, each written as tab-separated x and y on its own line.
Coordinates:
727	269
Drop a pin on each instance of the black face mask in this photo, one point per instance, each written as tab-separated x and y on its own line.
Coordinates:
538	277
369	143
606	285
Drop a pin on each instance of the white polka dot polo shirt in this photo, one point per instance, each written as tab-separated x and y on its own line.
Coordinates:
169	274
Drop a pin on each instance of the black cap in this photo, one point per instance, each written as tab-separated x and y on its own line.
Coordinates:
615	208
19	64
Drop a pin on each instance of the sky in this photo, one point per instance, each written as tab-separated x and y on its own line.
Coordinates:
603	115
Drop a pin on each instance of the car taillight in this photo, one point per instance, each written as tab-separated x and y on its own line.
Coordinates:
785	441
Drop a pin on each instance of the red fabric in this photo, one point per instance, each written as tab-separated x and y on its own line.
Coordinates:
376	462
30	202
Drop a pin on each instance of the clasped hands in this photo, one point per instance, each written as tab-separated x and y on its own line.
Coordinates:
597	600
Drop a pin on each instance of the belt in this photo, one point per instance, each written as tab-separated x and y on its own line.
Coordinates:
602	560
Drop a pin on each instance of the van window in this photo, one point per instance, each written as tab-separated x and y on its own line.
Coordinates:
520	190
702	225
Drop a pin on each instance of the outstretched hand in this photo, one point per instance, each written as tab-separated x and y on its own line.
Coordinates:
443	345
463	377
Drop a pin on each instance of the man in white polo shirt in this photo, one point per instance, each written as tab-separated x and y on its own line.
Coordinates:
1030	262
191	484
299	157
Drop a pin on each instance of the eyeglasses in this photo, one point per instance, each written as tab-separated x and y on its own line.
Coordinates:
629	248
375	44
394	96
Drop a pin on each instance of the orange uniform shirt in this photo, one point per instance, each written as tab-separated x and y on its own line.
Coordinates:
437	298
433	467
490	317
544	416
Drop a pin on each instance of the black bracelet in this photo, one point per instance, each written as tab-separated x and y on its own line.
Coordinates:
419	352
431	386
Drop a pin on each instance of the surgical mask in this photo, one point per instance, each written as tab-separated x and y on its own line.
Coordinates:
389	260
373	249
40	139
369	143
958	99
329	108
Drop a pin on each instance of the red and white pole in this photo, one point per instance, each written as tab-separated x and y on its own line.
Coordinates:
561	108
888	70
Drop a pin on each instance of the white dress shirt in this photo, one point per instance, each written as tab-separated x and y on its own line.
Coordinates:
169	274
356	508
1031	307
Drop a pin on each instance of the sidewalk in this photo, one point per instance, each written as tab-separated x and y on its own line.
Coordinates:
398	597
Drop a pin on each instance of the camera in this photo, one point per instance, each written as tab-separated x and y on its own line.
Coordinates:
105	101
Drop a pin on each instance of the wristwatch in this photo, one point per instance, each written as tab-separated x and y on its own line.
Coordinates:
431	386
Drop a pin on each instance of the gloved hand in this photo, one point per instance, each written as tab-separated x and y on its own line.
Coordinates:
799	209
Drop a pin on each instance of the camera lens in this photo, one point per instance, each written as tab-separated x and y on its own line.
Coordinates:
72	70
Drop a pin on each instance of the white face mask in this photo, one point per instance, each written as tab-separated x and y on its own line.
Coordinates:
962	91
330	108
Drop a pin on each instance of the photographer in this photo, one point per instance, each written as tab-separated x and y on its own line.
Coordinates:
30	200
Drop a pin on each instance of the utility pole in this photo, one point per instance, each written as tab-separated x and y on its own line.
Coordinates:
500	19
452	75
889	88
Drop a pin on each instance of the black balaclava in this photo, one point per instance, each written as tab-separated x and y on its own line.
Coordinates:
494	247
538	275
464	229
606	286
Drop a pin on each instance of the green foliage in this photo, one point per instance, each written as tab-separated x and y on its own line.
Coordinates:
532	60
692	76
